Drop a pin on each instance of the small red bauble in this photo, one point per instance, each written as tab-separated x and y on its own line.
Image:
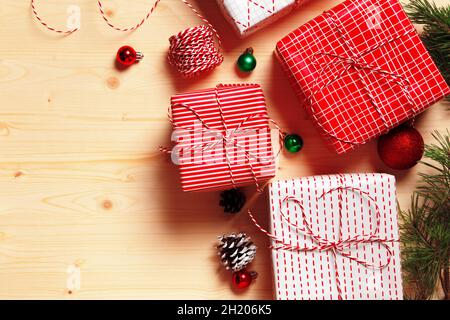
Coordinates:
126	56
242	279
401	148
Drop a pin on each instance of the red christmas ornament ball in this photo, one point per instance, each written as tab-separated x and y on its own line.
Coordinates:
242	279
127	56
401	148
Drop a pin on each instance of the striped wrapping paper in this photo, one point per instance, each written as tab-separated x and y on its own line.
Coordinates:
247	16
312	275
360	69
244	120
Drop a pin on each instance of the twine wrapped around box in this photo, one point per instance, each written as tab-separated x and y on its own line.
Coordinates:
335	237
217	122
247	16
360	69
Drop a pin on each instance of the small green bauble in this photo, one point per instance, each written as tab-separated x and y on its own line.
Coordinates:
293	143
247	61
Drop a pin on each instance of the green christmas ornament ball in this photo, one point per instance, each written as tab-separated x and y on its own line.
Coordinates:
247	61
293	143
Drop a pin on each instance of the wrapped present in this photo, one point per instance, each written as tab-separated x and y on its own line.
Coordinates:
361	70
223	137
249	15
335	237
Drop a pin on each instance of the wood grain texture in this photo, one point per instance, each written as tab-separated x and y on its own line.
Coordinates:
81	178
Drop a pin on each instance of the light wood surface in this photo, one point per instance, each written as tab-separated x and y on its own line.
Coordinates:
82	182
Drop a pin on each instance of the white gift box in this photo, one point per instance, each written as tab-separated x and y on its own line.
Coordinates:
249	15
335	237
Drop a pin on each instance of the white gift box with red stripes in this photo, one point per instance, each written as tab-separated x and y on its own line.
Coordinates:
247	16
335	237
223	137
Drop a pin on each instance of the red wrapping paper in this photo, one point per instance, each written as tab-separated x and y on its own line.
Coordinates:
361	69
203	118
248	16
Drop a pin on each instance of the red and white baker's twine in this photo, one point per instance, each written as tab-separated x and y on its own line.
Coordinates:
149	13
270	9
355	62
45	24
192	51
102	12
226	137
334	246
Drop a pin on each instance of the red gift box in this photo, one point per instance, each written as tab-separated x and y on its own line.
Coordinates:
362	70
223	137
335	237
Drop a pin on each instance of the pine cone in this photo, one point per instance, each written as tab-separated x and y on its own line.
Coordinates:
236	251
232	200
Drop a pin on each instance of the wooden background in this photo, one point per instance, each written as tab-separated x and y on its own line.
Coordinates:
82	182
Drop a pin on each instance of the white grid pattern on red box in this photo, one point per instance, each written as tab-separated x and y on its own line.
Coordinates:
249	15
310	275
344	108
238	102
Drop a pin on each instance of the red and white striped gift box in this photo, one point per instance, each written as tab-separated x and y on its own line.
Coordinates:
247	16
223	137
351	251
361	69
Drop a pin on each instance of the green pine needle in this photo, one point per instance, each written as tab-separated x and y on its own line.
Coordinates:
425	232
436	31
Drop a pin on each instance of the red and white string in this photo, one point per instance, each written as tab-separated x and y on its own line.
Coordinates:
227	137
336	246
353	61
194	51
104	16
45	24
191	52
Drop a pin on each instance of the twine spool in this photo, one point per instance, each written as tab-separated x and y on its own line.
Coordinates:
193	51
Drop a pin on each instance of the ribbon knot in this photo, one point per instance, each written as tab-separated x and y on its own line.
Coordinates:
352	62
341	246
228	138
355	60
335	246
229	135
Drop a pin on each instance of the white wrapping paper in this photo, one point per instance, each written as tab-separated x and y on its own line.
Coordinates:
249	15
320	274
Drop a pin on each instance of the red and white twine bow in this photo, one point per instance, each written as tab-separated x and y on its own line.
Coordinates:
337	246
355	61
227	137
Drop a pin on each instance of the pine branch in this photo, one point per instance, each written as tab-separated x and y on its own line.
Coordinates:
427	13
436	31
425	232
